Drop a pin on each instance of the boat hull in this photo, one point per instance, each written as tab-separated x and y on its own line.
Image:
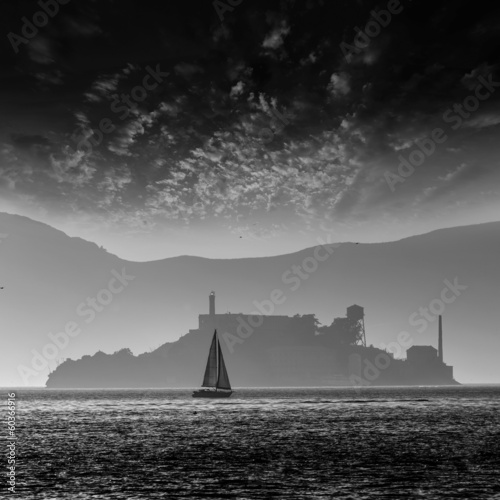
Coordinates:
211	394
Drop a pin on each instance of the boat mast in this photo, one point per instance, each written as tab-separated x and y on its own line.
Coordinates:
217	358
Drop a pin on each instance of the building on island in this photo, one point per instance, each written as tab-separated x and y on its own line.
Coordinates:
295	350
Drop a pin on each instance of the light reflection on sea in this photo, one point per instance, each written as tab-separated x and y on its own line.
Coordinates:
374	443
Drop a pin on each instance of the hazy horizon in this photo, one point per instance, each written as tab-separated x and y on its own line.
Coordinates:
322	238
162	301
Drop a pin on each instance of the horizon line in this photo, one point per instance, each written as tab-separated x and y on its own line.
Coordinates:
445	228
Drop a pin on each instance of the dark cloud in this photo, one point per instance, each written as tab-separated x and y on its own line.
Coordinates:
258	114
30	141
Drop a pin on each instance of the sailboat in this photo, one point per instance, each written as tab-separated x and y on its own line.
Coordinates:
215	374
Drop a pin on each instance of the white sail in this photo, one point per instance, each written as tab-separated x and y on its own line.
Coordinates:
211	375
215	374
223	379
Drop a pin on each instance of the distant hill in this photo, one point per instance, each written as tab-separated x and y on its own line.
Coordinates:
48	275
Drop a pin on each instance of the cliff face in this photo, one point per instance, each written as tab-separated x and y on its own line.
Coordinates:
121	369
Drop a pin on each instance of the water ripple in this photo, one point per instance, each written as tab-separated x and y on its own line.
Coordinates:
397	443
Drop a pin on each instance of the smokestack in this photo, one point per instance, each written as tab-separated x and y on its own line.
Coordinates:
211	304
440	341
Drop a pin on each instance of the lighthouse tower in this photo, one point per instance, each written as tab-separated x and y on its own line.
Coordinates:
211	304
211	310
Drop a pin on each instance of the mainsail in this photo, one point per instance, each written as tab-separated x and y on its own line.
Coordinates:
223	381
210	378
215	372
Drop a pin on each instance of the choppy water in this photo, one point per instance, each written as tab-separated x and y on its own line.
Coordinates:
375	443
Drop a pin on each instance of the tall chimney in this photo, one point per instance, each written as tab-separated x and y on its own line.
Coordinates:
211	303
440	341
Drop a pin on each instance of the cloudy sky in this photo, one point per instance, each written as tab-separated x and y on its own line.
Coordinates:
205	129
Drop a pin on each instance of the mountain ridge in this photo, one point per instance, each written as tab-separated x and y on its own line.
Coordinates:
47	277
492	224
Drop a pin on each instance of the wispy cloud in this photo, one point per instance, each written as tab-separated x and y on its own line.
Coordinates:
483	121
339	84
452	174
274	40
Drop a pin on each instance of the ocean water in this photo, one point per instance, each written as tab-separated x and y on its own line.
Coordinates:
374	443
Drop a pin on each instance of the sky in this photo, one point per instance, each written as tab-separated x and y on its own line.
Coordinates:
249	128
